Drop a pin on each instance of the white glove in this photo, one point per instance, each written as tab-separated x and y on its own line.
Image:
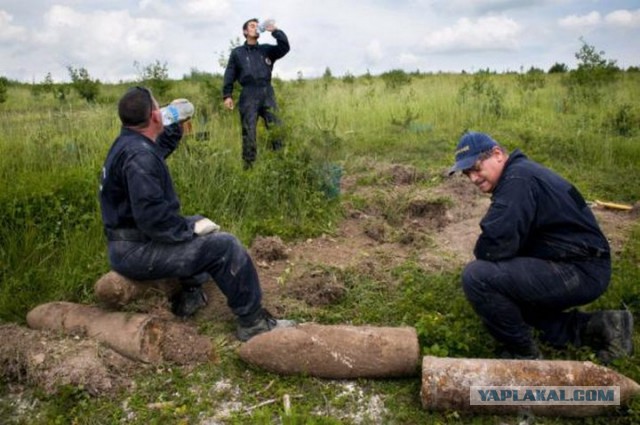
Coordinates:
205	226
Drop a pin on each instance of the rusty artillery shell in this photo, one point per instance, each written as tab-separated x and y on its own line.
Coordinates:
448	384
336	351
134	335
115	290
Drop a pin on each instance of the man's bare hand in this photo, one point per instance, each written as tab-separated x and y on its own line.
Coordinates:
228	103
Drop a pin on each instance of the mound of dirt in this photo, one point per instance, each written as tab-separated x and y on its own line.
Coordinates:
434	211
47	361
377	229
406	174
183	345
317	288
269	248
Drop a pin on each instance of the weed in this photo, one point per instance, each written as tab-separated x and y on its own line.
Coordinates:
625	121
395	79
482	93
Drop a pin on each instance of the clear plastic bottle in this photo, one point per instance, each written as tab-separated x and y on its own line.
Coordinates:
178	110
262	26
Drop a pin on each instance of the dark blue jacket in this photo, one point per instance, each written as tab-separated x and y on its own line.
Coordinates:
536	213
136	190
251	65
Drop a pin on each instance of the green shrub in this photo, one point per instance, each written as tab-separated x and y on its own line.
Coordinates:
4	85
625	121
83	84
531	80
481	93
155	76
395	79
594	73
558	68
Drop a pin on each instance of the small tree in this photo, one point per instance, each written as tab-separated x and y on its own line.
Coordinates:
349	78
396	78
48	84
223	57
155	76
327	78
593	74
482	94
83	84
531	80
4	85
558	68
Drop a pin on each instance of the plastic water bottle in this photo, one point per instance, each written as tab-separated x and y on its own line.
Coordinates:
170	114
262	27
178	110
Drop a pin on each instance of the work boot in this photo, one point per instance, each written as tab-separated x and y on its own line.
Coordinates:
263	322
610	333
189	300
528	352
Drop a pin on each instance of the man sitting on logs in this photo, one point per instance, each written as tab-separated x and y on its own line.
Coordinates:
149	238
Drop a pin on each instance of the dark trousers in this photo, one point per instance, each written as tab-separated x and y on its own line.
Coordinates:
522	293
255	102
216	255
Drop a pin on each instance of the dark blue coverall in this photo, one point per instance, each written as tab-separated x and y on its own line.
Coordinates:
541	252
149	239
251	66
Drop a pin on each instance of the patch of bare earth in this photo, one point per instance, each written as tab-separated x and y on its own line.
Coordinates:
399	217
48	361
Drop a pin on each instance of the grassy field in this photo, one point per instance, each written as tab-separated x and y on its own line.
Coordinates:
52	247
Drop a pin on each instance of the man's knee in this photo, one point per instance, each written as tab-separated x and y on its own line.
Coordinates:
226	241
476	277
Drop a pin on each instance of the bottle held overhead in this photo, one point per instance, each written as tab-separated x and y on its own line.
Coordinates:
263	25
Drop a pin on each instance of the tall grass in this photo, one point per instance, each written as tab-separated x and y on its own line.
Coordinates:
51	154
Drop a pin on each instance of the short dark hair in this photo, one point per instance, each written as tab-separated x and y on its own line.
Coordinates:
135	107
246	24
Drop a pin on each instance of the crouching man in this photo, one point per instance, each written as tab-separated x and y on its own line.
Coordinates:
149	239
540	253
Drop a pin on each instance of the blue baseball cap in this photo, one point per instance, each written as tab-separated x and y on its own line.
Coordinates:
470	147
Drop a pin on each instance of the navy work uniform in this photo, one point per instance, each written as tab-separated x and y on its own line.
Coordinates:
251	66
150	239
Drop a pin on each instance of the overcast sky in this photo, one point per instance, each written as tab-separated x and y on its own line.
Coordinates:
107	37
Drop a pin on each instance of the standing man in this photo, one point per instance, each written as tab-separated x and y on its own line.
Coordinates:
251	65
149	239
540	253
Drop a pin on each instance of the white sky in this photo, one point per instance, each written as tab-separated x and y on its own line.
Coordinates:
107	37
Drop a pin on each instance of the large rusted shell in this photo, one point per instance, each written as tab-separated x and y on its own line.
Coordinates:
115	290
137	336
336	351
447	384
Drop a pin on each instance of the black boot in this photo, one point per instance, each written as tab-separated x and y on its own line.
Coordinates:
189	300
259	322
610	333
525	352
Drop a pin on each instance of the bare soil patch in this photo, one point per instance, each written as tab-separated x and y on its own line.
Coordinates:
316	287
48	361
